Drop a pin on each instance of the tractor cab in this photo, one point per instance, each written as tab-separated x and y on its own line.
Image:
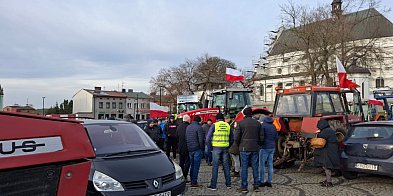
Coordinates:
230	101
385	95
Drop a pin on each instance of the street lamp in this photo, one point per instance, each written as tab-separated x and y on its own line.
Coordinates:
160	94
43	106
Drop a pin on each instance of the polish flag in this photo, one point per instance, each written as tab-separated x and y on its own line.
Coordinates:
342	76
375	102
233	75
157	111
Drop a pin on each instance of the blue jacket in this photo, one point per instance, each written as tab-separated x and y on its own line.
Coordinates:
270	132
209	137
195	137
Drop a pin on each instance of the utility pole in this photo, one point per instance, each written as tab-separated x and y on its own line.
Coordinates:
137	106
160	95
43	106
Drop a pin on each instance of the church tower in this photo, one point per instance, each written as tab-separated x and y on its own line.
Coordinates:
336	8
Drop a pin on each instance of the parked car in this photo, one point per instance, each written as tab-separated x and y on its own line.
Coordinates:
368	149
142	124
128	162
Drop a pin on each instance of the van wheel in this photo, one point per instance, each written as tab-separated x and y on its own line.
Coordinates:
341	130
349	175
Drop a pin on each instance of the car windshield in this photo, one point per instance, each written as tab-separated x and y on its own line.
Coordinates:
362	132
115	138
295	104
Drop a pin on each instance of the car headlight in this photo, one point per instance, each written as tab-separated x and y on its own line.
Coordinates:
102	182
178	171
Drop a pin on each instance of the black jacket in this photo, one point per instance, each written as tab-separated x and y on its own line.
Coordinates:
170	129
154	132
194	137
181	138
328	156
249	135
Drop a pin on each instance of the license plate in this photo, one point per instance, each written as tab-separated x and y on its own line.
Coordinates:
168	193
366	166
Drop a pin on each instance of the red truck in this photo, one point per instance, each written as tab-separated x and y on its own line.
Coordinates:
43	156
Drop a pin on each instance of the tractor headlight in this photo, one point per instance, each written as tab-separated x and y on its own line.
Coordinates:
178	171
102	182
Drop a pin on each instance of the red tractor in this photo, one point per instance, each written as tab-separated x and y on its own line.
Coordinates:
229	101
300	108
43	156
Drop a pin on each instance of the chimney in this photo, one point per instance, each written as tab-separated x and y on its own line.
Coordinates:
97	89
123	90
130	90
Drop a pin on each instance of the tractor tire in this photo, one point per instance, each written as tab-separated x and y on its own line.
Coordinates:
341	130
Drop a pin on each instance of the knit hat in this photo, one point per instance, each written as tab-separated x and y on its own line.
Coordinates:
247	111
149	121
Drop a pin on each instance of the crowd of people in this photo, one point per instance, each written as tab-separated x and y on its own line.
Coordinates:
250	142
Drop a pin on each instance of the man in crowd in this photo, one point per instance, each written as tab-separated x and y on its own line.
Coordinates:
266	153
195	144
171	140
208	154
184	161
161	125
153	131
249	136
219	138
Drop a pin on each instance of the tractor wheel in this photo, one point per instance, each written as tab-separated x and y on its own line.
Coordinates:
280	146
341	130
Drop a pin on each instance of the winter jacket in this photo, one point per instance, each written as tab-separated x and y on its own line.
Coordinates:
209	138
328	156
206	128
270	133
153	132
194	137
181	138
249	135
170	129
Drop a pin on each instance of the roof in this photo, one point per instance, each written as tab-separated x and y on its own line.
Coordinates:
21	107
140	95
369	24
389	122
107	93
89	122
354	69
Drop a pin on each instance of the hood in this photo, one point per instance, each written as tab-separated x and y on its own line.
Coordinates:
128	169
322	124
266	119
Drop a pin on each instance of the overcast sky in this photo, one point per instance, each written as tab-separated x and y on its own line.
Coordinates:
55	48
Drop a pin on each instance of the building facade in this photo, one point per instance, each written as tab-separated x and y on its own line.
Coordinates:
99	104
20	109
284	67
137	104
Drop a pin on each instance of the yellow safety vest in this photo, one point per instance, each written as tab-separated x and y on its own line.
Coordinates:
221	134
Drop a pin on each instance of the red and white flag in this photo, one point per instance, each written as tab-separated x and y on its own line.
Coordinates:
342	76
157	111
233	75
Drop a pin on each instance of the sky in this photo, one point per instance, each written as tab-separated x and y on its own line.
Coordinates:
53	49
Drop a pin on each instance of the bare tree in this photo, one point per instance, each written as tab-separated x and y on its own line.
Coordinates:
320	35
204	73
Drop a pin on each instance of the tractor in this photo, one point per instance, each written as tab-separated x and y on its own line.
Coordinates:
228	101
298	111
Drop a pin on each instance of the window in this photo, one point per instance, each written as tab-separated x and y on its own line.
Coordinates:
100	105
120	105
261	90
129	105
379	82
113	105
280	84
142	105
297	68
108	105
279	71
338	107
361	132
296	104
323	105
135	105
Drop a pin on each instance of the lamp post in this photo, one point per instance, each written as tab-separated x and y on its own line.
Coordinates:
160	95
43	106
